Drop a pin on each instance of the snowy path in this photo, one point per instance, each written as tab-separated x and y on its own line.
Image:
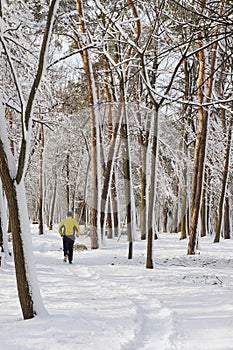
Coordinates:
137	309
104	301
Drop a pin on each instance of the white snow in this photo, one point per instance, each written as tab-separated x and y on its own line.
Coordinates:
105	301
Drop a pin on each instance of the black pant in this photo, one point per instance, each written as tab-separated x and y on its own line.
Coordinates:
68	245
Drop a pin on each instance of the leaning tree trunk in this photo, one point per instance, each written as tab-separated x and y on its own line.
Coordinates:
23	284
199	159
108	173
22	248
12	176
94	125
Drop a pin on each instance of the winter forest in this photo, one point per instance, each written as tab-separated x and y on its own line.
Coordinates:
121	112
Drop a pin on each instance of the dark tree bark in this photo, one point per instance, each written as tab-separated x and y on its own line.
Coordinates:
16	226
227	214
13	184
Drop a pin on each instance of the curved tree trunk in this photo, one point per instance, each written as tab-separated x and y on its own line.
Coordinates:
12	176
23	282
20	229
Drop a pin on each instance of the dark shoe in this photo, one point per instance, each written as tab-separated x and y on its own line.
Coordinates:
70	262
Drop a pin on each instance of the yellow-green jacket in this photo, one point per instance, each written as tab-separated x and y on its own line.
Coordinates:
69	227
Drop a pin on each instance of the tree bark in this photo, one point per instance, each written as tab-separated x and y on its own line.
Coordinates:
227	225
152	193
127	182
201	138
94	128
53	201
41	183
68	208
12	177
23	285
224	184
108	174
144	142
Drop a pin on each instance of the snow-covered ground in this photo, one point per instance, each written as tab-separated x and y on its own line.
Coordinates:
105	301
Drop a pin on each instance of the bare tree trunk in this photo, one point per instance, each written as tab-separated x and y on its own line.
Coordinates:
201	138
108	174
175	224
24	289
13	184
199	151
68	183
203	209
186	120
15	211
151	209
224	184
144	142
112	218
183	221
127	178
208	199
3	224
41	183
51	216
115	206
184	185
227	225
203	214
94	128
